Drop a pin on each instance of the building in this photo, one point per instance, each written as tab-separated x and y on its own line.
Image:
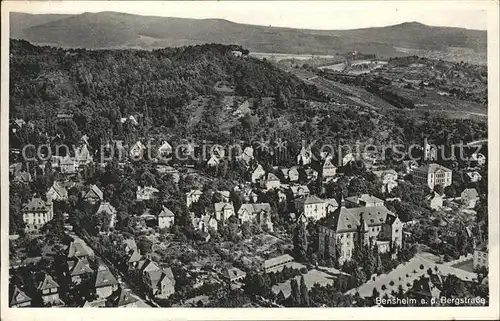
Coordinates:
107	208
432	175
350	227
256	213
57	192
277	263
146	193
68	165
348	158
257	173
308	174
409	166
93	195
363	200
205	222
434	200
331	205
478	159
272	181
300	191
48	289
165	218
474	177
389	179
469	197
37	213
105	282
225	196
133	260
82	154
79	269
246	156
165	149
192	197
480	258
312	206
129	246
121	298
329	170
290	174
160	282
223	211
77	250
304	157
213	161
430	151
233	275
137	150
18	299
130	119
22	177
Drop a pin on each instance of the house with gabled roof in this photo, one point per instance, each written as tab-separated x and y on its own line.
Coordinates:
290	174
300	191
225	196
48	289
363	200
106	207
233	275
474	176
246	156
134	259
192	197
18	299
304	157
93	194
434	200
165	218
146	193
165	149
256	213
82	155
223	211
37	213
213	161
257	173
271	181
388	178
160	282
328	169
78	250
129	245
137	150
105	282
57	192
121	298
130	119
68	165
79	269
204	222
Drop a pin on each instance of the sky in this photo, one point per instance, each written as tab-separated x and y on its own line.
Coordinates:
295	14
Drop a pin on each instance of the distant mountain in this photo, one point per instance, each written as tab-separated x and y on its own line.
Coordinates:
120	30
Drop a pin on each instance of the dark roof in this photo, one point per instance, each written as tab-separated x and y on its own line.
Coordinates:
120	297
18	296
76	249
47	283
104	277
348	219
79	267
36	205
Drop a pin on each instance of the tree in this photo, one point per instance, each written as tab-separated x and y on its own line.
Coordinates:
300	242
295	293
304	293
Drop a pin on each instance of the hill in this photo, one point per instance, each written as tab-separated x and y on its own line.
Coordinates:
120	30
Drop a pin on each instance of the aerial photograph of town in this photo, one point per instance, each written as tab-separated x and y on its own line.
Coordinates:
164	161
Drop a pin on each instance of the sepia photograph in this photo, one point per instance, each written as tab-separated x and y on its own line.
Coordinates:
326	156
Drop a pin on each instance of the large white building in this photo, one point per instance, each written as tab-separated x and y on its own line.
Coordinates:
36	213
432	175
312	207
350	227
